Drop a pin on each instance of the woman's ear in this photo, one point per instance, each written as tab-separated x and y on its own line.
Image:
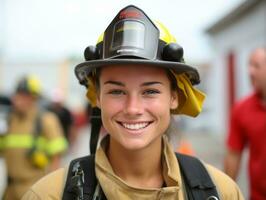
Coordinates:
174	100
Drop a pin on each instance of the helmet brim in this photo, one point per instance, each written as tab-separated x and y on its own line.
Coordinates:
83	69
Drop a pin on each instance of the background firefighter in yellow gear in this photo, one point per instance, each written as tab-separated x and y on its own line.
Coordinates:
33	142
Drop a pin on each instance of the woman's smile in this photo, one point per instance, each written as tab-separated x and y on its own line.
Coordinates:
135	127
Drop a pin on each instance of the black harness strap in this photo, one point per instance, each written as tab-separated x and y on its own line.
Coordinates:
74	182
96	124
198	183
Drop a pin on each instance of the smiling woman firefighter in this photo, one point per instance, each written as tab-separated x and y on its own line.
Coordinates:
137	77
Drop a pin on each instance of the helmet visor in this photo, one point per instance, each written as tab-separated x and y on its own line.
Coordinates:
128	33
131	34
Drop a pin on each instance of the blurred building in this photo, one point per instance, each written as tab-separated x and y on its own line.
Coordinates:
233	38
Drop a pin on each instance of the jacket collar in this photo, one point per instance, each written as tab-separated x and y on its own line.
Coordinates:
107	177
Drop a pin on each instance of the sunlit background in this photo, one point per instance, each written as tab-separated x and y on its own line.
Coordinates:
47	38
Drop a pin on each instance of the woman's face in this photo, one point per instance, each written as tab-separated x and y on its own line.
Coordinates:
135	102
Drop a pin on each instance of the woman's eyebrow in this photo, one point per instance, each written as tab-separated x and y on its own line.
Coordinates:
114	83
122	84
150	83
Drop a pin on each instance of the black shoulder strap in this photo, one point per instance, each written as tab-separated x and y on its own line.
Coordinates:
198	183
96	124
87	164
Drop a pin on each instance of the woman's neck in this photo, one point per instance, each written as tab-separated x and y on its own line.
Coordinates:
139	168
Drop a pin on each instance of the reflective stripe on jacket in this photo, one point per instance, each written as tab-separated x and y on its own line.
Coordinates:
26	141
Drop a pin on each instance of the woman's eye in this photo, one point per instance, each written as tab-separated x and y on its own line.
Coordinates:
116	92
151	92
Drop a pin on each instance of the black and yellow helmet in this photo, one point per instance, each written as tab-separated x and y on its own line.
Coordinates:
29	85
132	38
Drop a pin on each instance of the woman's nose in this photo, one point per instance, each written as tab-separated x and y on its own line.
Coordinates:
133	105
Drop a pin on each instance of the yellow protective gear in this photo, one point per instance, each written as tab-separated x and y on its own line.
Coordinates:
50	147
190	99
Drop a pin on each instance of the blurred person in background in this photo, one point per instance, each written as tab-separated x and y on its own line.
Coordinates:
139	82
248	129
33	142
64	115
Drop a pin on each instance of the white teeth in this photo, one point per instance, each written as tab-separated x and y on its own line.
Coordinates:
136	126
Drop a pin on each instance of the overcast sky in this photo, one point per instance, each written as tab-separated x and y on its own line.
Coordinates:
57	29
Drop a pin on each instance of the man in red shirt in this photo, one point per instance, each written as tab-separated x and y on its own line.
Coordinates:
248	129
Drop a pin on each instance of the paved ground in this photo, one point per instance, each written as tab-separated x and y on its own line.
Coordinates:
208	147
